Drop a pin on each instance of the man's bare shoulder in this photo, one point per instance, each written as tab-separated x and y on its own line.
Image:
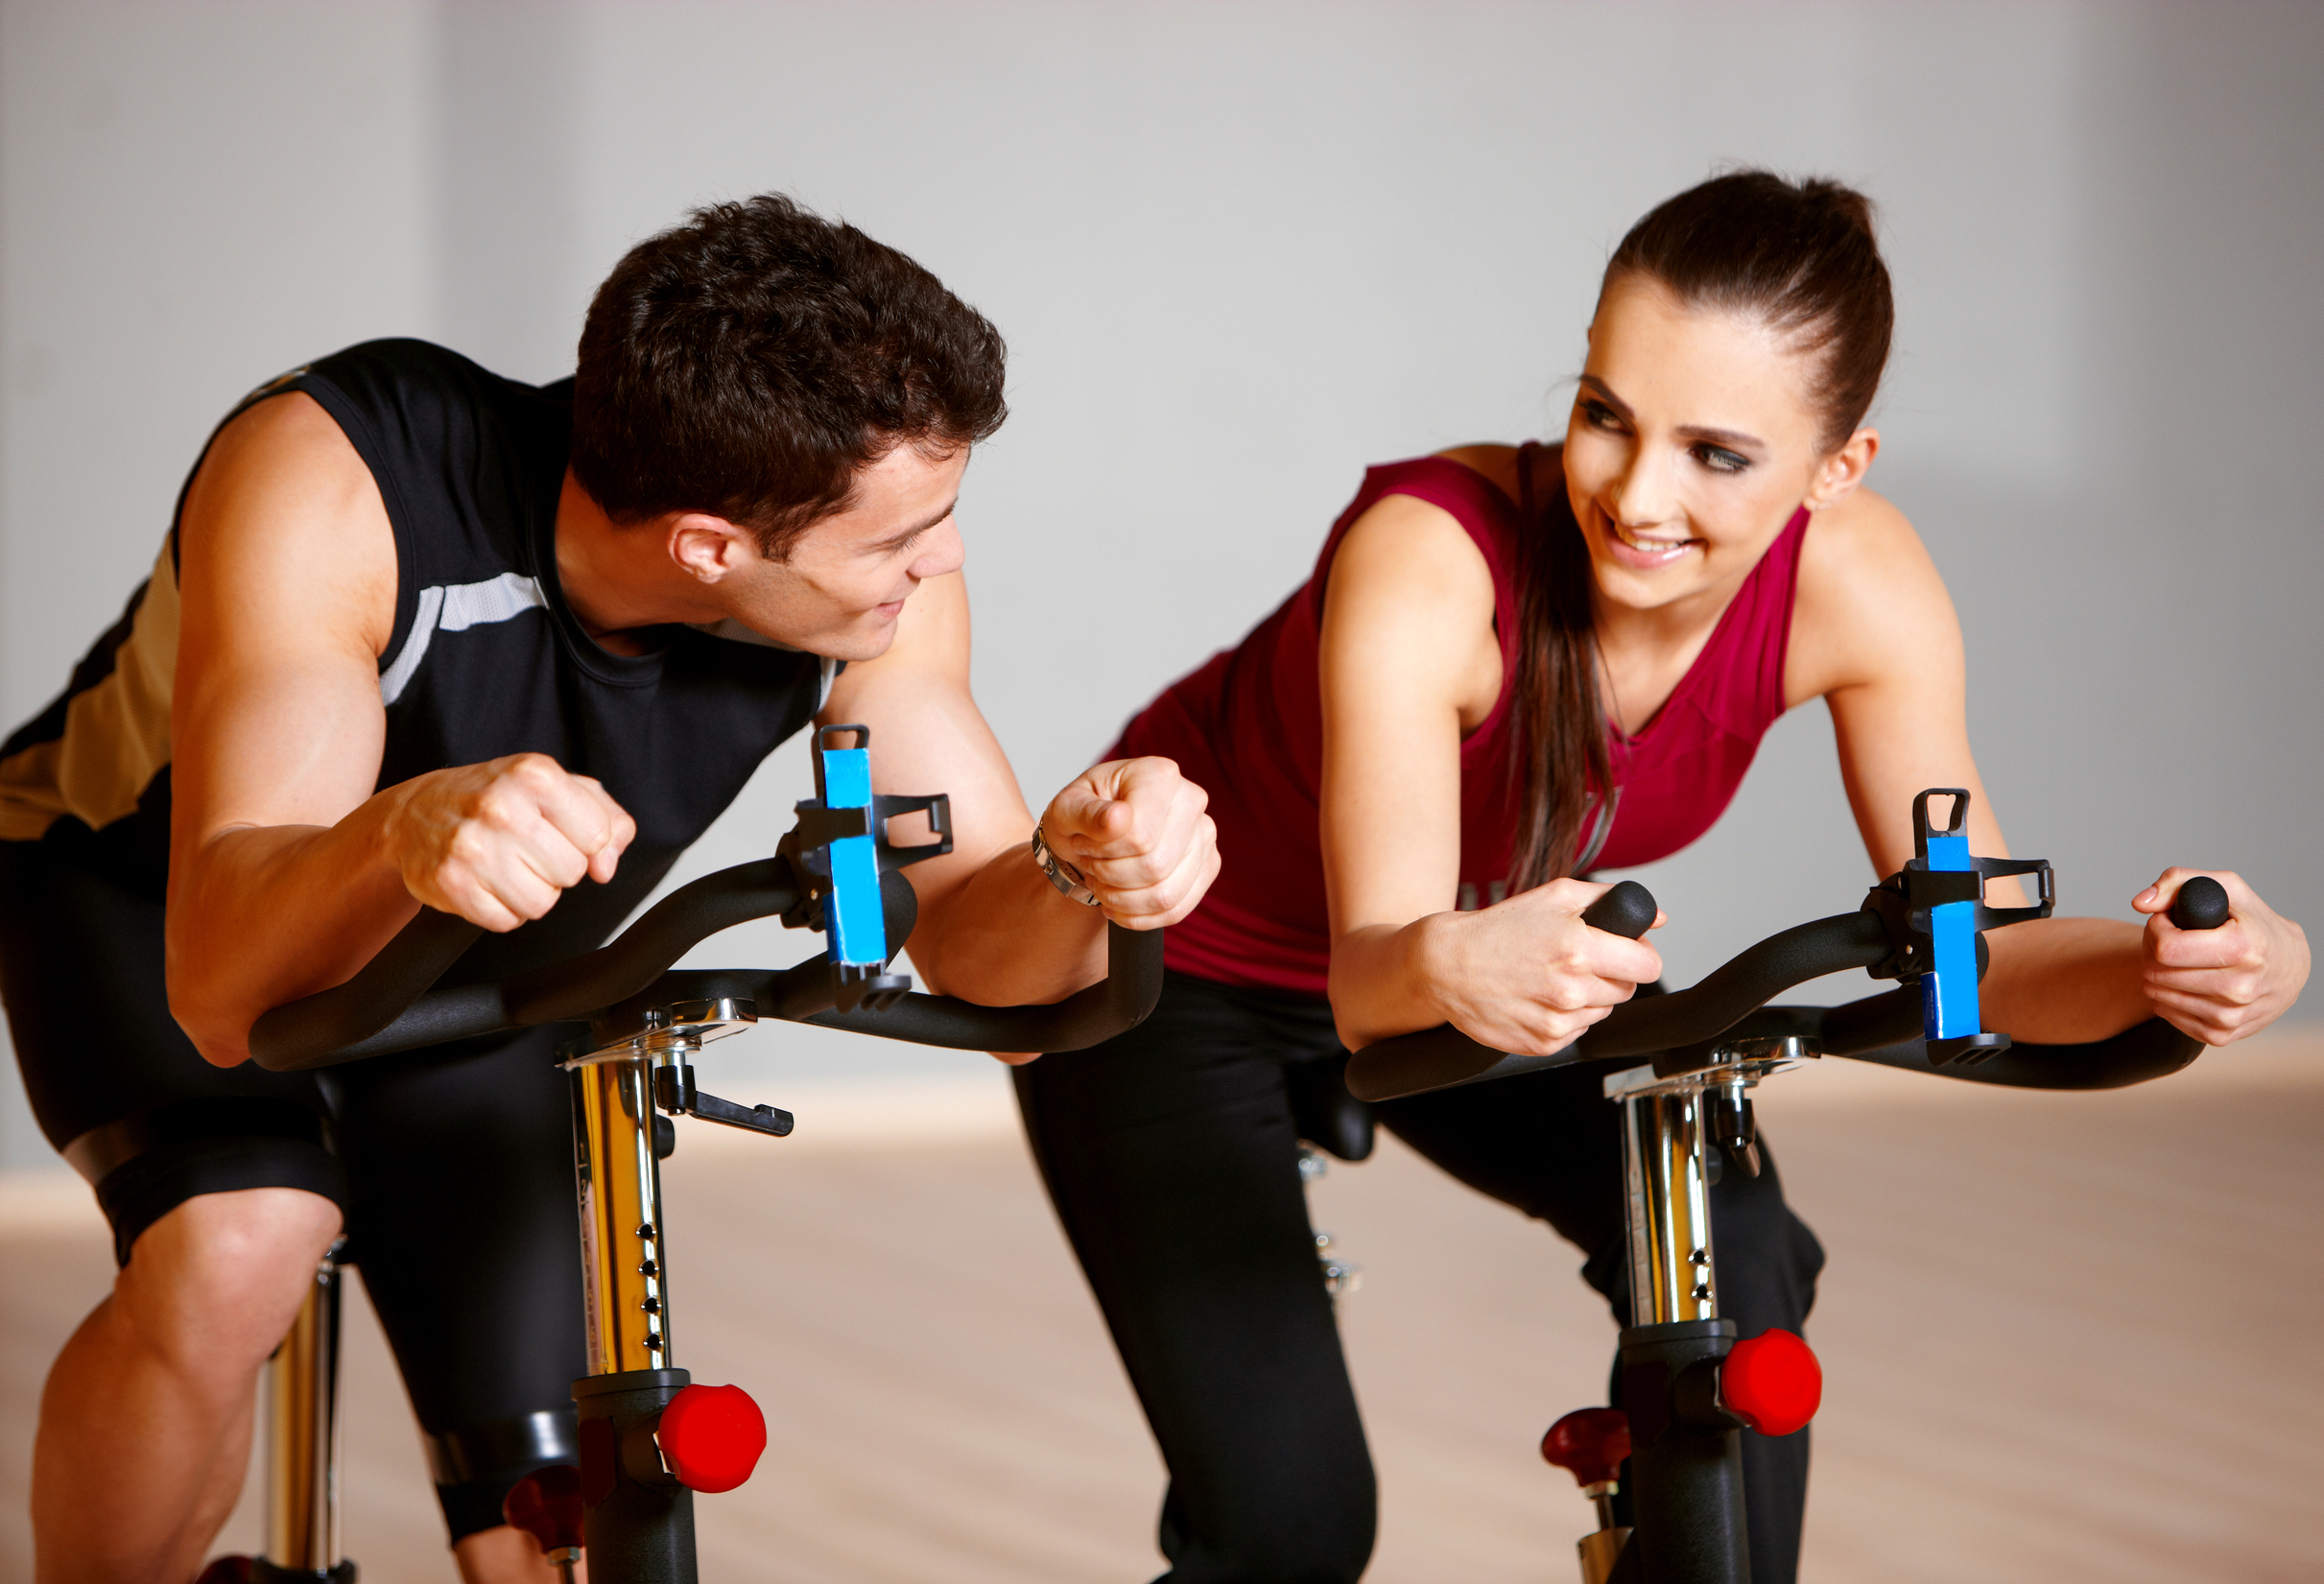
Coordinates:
283	507
286	437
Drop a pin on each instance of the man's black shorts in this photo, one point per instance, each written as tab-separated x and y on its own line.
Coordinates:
451	1169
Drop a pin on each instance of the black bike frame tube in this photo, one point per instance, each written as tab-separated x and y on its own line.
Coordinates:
1737	988
803	994
639	1522
1686	1478
1885	1029
264	1571
1119	1001
1686	1463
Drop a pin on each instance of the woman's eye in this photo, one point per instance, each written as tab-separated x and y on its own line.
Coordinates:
1598	414
1720	460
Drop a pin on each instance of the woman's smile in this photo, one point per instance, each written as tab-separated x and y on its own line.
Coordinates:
1643	551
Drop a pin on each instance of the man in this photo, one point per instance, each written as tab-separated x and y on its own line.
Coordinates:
421	635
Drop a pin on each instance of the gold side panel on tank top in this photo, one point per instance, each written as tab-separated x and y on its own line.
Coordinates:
116	734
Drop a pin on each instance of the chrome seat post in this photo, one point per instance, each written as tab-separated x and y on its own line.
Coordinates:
1668	1142
1666	1166
303	1432
624	1273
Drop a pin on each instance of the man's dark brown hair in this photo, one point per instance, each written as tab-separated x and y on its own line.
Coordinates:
747	363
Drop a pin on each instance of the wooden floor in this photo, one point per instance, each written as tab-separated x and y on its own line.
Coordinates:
2065	1339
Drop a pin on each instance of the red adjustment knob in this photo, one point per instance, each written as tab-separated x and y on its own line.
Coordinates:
711	1437
1771	1383
1589	1444
546	1506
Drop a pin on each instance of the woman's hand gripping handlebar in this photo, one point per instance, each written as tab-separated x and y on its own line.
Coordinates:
837	859
1679	1030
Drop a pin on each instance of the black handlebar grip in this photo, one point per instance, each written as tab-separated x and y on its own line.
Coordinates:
2200	905
1440	1058
1089	1016
1628	909
296	1037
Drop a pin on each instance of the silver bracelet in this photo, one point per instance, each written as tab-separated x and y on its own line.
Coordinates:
1062	875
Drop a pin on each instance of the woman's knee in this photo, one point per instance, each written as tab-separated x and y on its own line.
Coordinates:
1321	1535
1767	1259
217	1280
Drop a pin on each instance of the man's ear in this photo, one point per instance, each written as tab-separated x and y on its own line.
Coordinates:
710	549
1839	474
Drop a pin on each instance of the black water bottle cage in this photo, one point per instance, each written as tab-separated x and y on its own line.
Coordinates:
839	850
1935	916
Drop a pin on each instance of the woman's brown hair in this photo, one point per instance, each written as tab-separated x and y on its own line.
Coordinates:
1799	257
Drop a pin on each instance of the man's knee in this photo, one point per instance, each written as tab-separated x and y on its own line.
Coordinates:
216	1282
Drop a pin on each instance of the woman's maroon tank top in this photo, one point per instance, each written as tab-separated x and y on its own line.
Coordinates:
1247	728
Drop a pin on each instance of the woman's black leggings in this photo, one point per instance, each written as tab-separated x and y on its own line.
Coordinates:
1171	1155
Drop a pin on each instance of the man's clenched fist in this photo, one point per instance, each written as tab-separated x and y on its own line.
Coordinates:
499	843
1137	831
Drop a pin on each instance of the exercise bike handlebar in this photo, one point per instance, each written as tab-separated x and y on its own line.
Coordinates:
391	1005
1678	1030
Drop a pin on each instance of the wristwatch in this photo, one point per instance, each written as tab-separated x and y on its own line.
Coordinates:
1062	875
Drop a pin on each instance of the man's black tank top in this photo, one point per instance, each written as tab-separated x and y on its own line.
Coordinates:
486	659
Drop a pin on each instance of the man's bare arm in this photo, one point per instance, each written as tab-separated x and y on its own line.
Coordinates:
287	872
993	929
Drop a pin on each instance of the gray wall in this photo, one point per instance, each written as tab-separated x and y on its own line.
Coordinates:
1242	250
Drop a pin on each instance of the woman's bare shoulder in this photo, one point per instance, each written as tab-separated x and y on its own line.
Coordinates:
1417	545
1409	565
1409	609
1868	598
1496	464
1861	546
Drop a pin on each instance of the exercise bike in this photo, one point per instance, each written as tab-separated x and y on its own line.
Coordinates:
648	1436
1690	1386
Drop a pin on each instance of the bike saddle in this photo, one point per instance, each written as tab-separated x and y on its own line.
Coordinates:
1326	1114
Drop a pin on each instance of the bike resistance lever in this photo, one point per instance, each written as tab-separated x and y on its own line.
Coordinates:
1922	925
820	878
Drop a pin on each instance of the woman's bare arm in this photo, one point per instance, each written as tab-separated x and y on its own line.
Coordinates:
1875	634
1409	663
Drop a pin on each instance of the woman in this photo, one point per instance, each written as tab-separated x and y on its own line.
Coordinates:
1511	666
